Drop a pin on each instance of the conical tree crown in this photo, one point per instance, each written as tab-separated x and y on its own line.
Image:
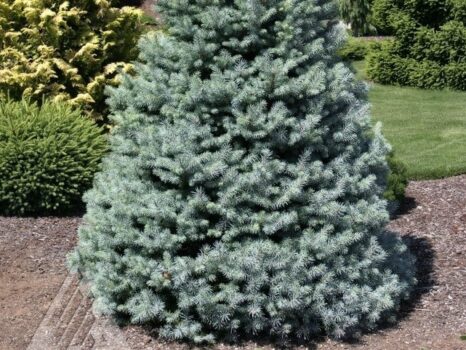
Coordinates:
243	190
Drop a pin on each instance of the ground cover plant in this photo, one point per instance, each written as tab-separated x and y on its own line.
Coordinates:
48	157
243	191
427	128
65	50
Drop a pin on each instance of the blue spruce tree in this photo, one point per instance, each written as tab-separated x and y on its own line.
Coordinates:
243	192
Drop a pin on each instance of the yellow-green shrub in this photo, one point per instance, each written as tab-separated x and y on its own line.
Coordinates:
65	50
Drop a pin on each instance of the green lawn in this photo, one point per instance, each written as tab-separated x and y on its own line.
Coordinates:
427	128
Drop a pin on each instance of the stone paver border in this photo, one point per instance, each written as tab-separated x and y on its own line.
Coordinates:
71	324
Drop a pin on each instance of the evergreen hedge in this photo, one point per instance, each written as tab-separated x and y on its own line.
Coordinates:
429	49
390	69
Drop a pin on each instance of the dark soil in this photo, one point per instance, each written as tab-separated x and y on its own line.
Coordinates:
432	222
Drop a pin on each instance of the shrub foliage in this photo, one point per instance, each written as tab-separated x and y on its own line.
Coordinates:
397	179
243	192
48	157
431	13
355	49
65	50
429	50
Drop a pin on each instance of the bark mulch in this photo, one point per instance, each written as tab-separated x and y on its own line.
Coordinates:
432	222
32	269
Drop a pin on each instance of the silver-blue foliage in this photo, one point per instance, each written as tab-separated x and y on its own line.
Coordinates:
243	193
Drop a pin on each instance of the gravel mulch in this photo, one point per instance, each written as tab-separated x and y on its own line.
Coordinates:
432	222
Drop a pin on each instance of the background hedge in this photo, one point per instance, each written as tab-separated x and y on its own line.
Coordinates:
429	49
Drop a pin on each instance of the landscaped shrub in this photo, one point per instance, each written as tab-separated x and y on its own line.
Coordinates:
48	157
382	11
397	179
455	75
430	13
387	68
429	50
355	49
444	46
65	50
243	192
458	10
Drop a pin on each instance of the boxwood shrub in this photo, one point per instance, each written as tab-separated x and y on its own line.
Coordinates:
355	49
48	157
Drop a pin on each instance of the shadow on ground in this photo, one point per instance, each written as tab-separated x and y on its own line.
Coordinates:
405	207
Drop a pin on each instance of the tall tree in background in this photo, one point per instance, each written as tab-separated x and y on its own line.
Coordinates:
356	13
243	193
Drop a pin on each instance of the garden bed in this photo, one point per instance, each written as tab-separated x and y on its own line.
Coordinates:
433	223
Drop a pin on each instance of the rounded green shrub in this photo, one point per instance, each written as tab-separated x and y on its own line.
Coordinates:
355	49
386	68
48	157
455	75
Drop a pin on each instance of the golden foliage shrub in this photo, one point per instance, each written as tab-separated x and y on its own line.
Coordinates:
66	50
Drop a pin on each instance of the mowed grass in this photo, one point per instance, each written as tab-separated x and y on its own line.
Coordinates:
427	128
